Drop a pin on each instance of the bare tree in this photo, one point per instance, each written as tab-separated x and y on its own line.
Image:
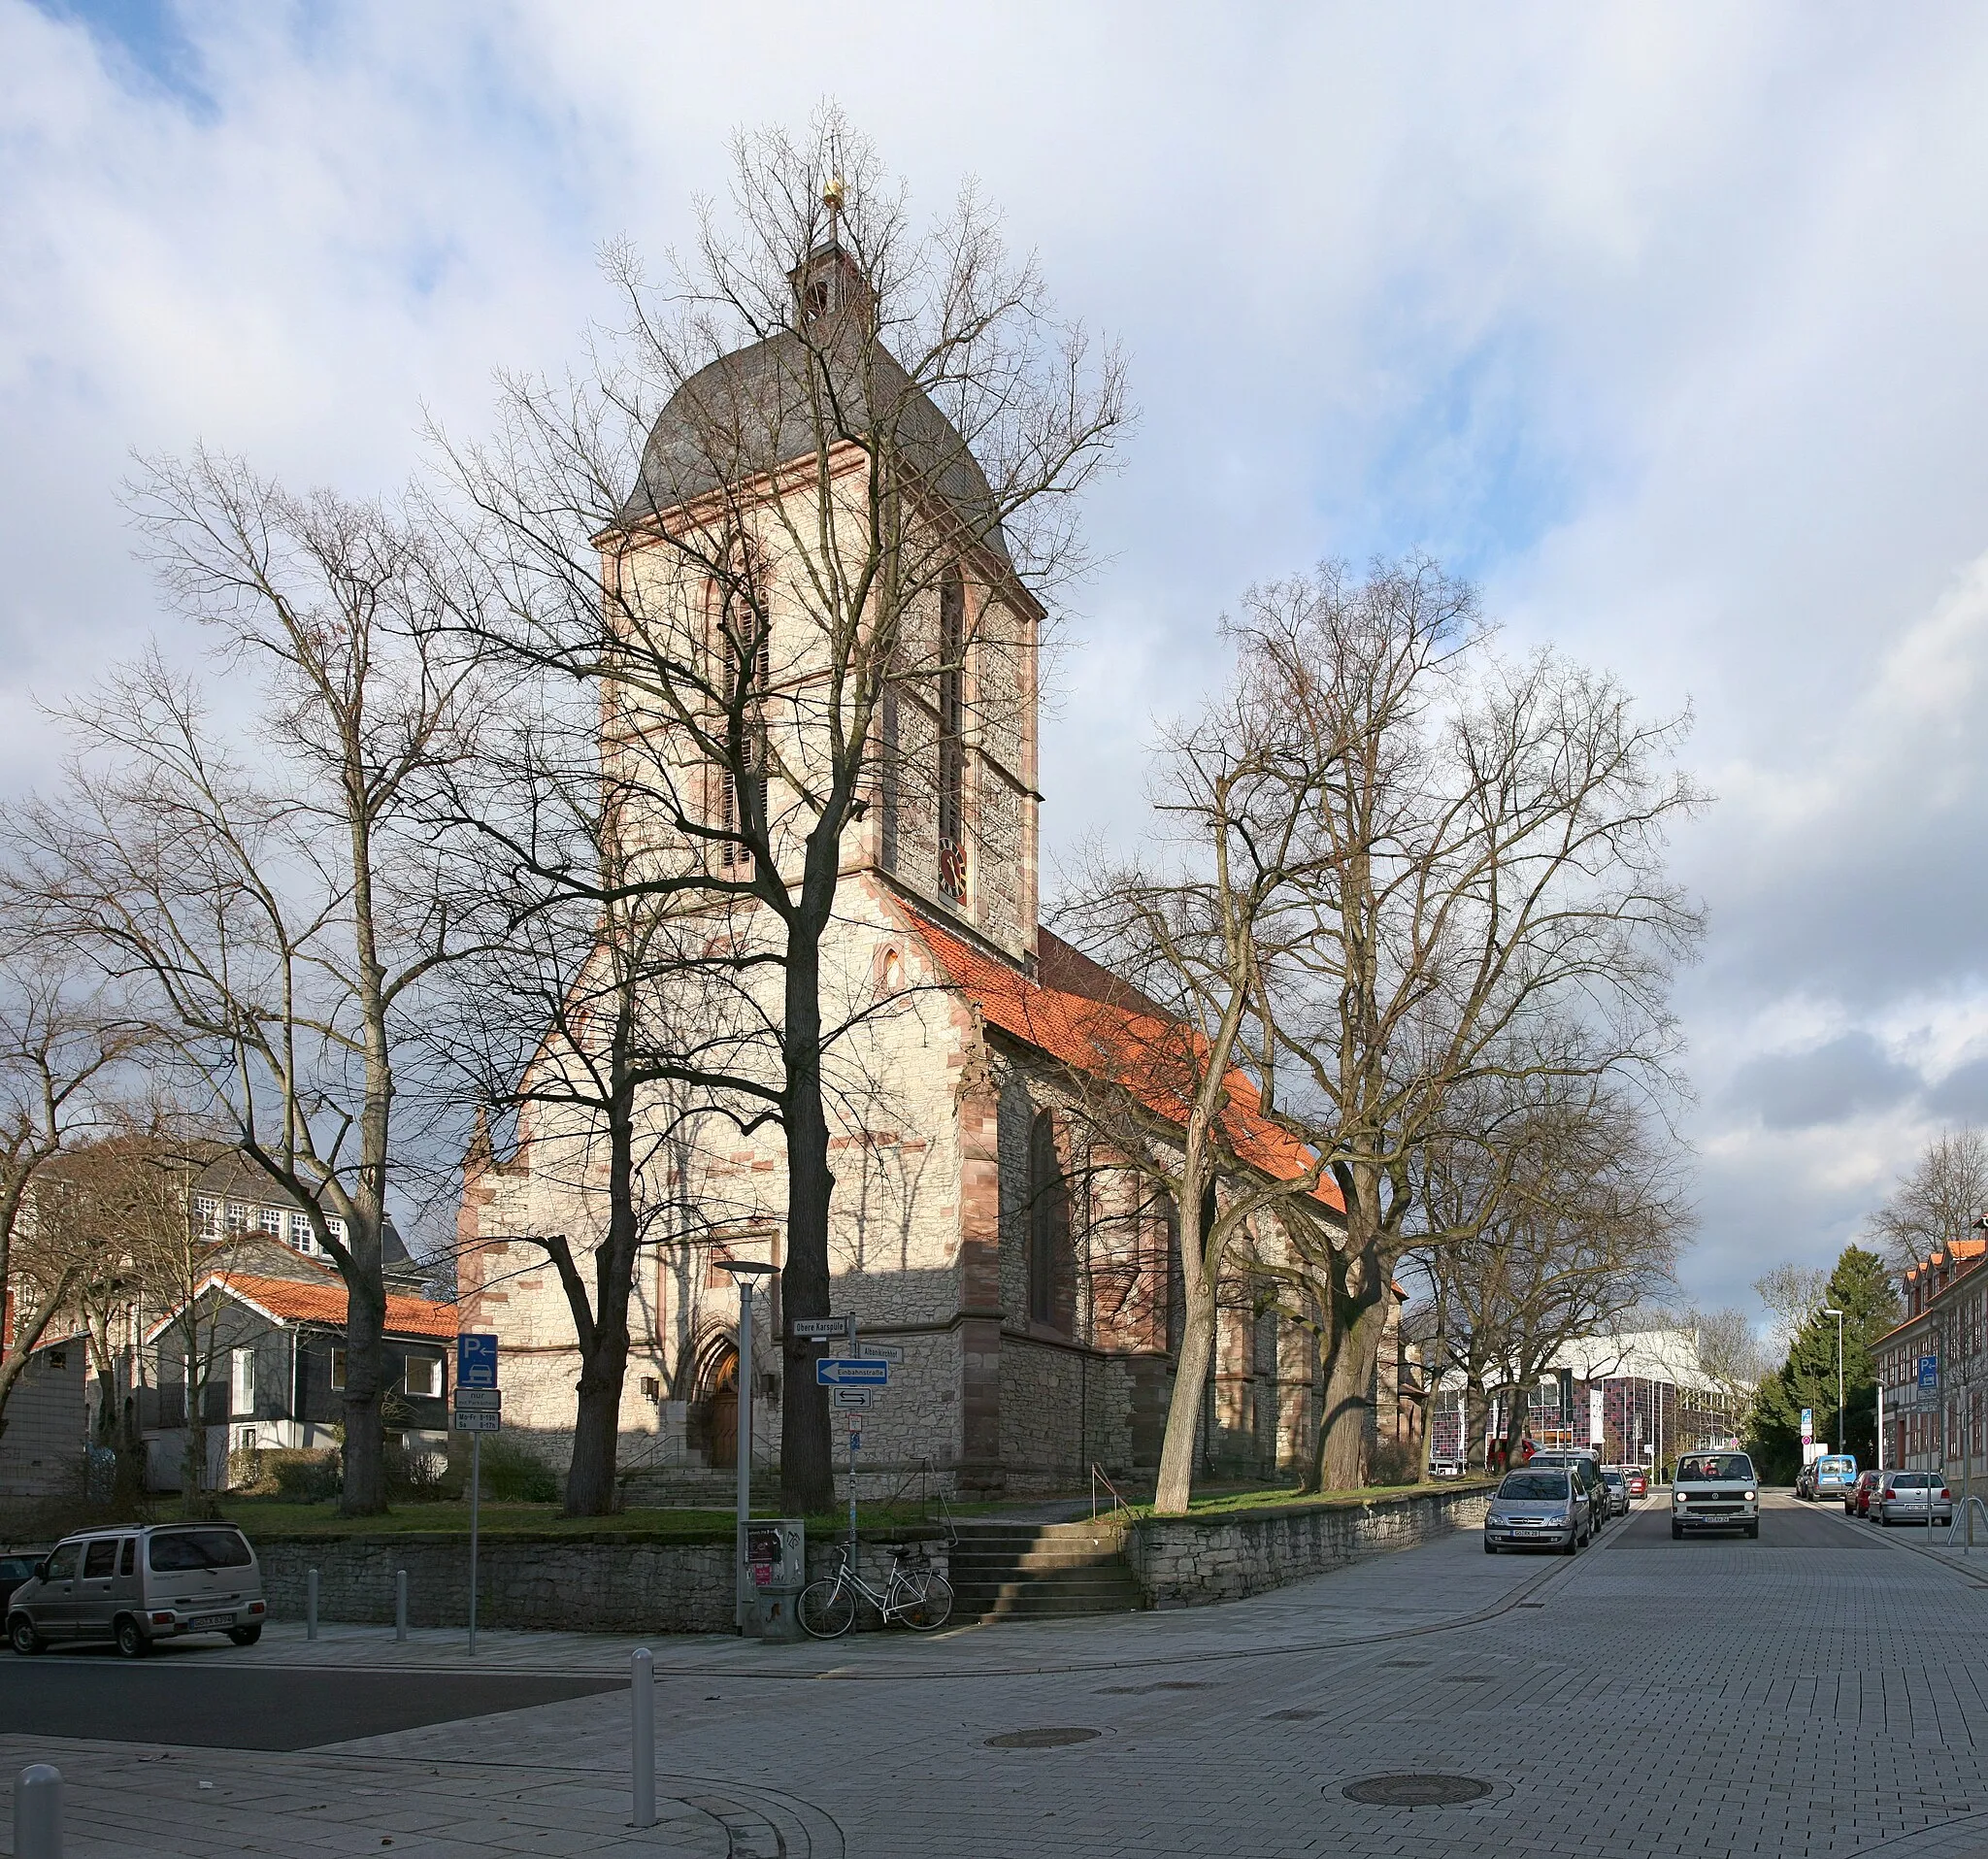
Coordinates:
1792	1294
61	1047
1728	1352
1194	946
597	1022
805	509
265	891
1586	1220
1489	855
1938	1199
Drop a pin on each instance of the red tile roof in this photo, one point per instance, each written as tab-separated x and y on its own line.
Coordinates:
1100	1025
307	1300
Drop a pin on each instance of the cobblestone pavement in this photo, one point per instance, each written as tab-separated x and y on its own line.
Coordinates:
1814	1692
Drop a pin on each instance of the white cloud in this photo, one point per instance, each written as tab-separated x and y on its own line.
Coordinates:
1666	323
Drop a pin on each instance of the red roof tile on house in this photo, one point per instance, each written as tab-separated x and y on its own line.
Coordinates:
1087	1018
300	1301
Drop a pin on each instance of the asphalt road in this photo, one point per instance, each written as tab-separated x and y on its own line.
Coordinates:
1805	1526
219	1706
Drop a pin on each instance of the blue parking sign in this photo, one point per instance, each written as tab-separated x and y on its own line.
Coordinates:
1928	1371
476	1361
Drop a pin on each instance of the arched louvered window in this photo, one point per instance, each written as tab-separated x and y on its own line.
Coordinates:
952	747
744	644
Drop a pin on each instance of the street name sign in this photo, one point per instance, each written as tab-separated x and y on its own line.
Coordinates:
853	1371
478	1400
818	1329
852	1397
474	1420
476	1361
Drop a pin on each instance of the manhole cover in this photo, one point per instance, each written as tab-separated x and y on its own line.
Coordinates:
1040	1738
1416	1791
1292	1716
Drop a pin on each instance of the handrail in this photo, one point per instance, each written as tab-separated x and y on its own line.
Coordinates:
1119	1500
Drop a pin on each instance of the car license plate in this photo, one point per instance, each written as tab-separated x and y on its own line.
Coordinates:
201	1620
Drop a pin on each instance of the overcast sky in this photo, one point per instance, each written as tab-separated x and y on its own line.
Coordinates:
1665	324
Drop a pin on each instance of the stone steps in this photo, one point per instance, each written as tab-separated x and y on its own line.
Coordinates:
1004	1570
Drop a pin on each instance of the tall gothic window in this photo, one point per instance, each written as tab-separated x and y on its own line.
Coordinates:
1048	1220
745	642
953	748
887	736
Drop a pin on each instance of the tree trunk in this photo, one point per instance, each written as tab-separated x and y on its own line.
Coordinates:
1183	1410
806	1469
365	1447
603	1351
1359	1317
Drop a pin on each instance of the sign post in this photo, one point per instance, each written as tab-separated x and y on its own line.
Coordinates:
852	1381
746	1273
476	1376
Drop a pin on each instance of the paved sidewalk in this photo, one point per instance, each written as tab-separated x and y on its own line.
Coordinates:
1814	1693
1359	1602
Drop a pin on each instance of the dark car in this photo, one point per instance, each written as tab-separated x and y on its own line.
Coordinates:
14	1570
1857	1499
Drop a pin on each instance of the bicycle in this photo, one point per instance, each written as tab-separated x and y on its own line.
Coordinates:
922	1598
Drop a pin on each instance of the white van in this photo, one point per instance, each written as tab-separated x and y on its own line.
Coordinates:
141	1583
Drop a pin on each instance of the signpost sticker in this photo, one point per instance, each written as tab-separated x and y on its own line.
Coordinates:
851	1397
818	1329
478	1400
476	1361
853	1371
471	1420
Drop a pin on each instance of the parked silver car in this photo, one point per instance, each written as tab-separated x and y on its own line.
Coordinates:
1538	1508
1913	1497
139	1584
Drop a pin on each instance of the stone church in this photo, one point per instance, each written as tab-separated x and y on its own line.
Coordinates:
1028	1289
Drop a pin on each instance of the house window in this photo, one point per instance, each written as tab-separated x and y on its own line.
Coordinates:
301	1235
338	1369
206	1216
952	750
423	1377
271	1220
1048	1220
651	1388
336	1227
238	1217
242	1381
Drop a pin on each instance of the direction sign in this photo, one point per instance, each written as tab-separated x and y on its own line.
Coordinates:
469	1420
815	1329
853	1371
852	1397
1928	1371
478	1400
476	1361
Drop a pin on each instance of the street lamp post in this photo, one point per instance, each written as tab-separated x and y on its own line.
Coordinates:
746	1273
1839	1315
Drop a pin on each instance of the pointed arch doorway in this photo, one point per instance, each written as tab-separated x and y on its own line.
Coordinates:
714	1417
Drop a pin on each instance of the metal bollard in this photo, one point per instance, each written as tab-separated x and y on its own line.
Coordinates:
310	1603
643	1700
400	1604
38	1812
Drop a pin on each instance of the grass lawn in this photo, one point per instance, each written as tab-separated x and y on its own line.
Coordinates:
273	1517
1284	1497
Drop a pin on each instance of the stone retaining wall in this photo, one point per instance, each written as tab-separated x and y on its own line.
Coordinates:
601	1584
1183	1563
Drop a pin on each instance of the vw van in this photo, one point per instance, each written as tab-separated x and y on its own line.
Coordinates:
139	1584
